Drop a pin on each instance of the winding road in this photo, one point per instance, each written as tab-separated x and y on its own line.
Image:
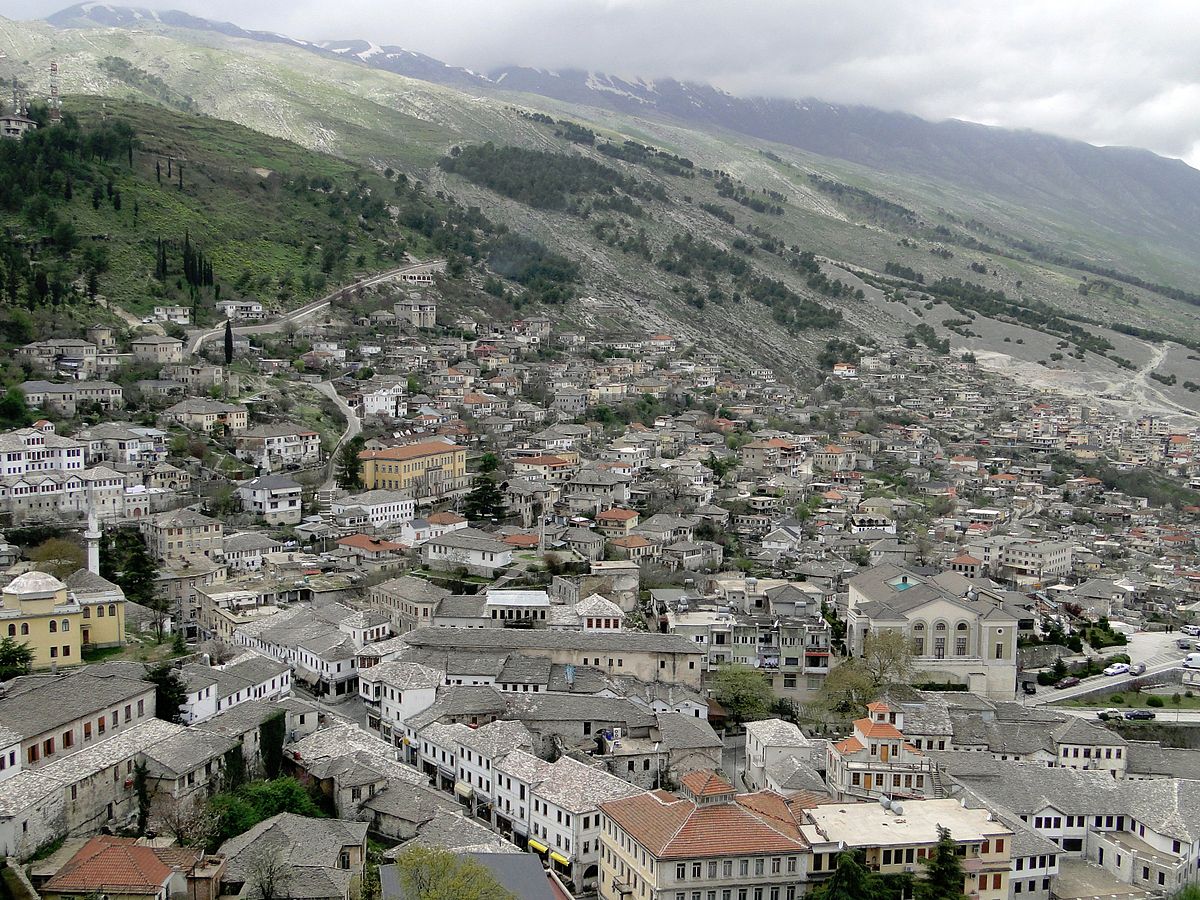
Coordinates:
353	428
196	339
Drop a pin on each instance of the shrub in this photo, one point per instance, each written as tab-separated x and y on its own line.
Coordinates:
1116	699
1154	701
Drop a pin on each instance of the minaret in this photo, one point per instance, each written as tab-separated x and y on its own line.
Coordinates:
92	538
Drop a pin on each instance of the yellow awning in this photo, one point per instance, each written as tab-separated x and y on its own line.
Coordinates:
463	789
537	846
559	858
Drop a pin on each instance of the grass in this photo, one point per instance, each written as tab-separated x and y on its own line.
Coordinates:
263	236
136	649
1130	700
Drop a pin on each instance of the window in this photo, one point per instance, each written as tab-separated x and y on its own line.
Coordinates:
53	627
681	871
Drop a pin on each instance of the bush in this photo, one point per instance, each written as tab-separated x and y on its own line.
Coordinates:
1154	701
1116	699
1188	694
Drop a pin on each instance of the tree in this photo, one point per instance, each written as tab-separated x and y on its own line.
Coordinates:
228	341
851	880
14	412
271	736
744	692
488	463
887	659
484	502
15	659
429	874
125	560
141	788
187	820
944	874
888	656
170	692
349	465
58	556
268	875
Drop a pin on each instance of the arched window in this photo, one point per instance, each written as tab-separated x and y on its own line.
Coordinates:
12	630
24	628
112	609
919	626
53	627
961	639
940	626
66	624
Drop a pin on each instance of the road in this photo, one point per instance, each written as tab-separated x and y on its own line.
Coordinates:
353	427
1154	648
196	339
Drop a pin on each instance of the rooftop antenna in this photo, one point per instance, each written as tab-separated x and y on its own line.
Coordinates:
55	101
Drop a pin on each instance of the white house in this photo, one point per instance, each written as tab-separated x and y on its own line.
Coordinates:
275	498
394	691
379	509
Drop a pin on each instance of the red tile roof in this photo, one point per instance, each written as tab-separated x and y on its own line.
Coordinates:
444	518
617	514
876	729
672	827
410	451
111	865
705	783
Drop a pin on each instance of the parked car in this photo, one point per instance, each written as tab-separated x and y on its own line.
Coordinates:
1110	713
1030	687
1137	668
1069	681
1139	714
1193	630
1117	669
1183	644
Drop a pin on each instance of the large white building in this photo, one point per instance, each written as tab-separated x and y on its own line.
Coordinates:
959	632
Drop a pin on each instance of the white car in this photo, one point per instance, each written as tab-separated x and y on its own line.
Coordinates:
1117	669
1192	630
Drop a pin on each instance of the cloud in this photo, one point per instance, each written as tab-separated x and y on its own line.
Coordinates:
1105	71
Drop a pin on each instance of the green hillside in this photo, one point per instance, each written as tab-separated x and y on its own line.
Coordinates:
611	222
91	200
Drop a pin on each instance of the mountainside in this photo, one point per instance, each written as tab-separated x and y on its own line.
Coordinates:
616	222
1116	207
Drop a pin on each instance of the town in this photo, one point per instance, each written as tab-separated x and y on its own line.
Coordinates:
293	594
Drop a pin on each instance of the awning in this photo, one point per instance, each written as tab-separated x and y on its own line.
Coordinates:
559	858
537	846
463	790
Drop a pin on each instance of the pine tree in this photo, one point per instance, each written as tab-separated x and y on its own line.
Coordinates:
158	170
851	880
485	502
228	341
944	874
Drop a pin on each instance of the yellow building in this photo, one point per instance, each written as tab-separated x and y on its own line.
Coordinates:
36	609
103	605
430	469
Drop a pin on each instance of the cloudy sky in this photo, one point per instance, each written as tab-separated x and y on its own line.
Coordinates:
1100	70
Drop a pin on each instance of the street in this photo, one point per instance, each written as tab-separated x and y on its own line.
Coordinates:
197	338
1154	648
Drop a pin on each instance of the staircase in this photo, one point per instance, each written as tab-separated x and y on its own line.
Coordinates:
938	785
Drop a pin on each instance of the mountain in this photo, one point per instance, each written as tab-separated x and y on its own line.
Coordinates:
671	212
1142	210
